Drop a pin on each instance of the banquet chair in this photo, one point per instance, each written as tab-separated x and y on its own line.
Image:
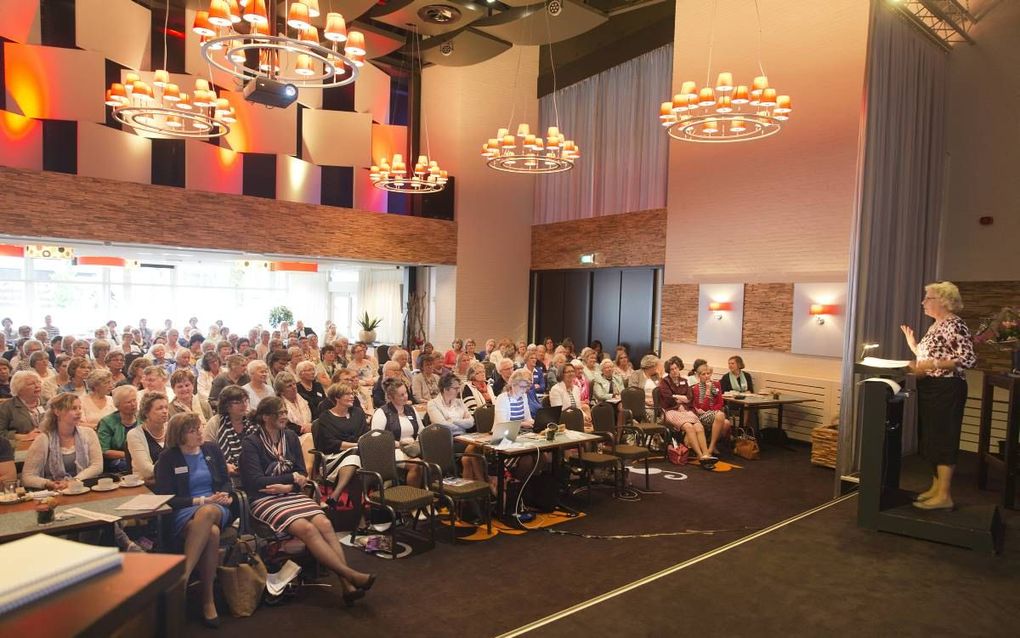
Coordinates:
437	450
603	419
484	417
587	461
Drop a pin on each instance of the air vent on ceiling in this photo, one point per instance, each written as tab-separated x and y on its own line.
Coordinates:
439	14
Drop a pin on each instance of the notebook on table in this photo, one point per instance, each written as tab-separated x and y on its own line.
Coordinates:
37	566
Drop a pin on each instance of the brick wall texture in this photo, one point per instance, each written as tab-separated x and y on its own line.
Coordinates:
981	299
629	239
45	204
680	313
768	316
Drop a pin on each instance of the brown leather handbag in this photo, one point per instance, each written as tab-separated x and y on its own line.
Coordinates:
745	445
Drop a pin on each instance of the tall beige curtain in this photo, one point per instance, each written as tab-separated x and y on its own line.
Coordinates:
896	230
379	294
613	117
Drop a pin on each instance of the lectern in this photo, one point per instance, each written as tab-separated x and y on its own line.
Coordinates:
882	505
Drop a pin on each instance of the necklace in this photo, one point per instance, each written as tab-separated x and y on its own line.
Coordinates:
159	438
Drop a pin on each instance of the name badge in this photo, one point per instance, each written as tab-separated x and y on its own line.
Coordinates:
181	470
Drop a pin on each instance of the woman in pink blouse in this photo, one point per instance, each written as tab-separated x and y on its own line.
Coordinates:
707	401
943	354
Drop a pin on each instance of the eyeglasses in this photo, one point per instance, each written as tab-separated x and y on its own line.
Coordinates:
281	413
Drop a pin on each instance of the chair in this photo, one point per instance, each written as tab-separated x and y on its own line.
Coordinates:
603	419
632	400
437	450
573	418
484	418
382	486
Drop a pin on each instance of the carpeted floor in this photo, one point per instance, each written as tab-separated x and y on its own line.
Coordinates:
824	576
486	588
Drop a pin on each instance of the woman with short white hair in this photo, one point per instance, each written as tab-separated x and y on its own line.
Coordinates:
21	415
258	387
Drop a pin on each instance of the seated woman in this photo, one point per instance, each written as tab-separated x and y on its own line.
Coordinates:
692	378
399	418
100	348
308	387
512	405
232	423
299	413
258	387
647	378
581	381
145	443
211	364
5	376
195	473
589	359
675	399
135	373
77	370
425	384
115	364
273	473
476	392
567	394
450	360
182	382
624	367
464	361
366	368
97	403
113	429
335	433
53	383
63	450
736	380
449	411
327	365
708	405
39	362
21	416
427	350
608	384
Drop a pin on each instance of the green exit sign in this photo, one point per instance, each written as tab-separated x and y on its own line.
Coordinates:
588	258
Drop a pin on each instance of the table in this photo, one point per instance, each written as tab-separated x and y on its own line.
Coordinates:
527	445
1010	462
17	521
145	597
758	402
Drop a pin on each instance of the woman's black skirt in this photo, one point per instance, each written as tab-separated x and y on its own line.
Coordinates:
940	403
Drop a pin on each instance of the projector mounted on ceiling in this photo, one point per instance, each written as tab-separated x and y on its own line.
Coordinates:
270	93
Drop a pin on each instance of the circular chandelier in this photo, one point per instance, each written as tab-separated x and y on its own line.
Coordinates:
164	110
302	60
531	154
726	113
427	176
527	153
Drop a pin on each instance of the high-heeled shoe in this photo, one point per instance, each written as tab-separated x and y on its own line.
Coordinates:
368	583
211	623
353	595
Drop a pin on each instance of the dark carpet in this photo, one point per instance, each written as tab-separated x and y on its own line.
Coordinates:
824	576
487	588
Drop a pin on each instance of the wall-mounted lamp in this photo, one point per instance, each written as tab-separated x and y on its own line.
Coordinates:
820	311
718	307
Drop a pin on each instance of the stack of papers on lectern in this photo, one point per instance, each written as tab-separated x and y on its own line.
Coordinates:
875	362
40	565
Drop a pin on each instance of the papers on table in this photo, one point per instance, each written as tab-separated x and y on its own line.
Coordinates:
275	583
39	565
92	516
455	482
145	502
875	362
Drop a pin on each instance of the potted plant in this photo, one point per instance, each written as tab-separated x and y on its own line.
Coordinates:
368	326
280	314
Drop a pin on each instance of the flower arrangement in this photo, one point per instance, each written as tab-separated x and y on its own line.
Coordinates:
1001	329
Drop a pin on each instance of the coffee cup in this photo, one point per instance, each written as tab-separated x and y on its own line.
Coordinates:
74	485
131	479
104	483
550	434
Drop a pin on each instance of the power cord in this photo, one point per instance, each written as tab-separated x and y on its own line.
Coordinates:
686	532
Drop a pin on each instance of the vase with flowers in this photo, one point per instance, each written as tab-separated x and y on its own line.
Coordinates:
1002	330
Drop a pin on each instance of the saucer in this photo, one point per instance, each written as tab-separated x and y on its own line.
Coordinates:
126	484
68	492
96	488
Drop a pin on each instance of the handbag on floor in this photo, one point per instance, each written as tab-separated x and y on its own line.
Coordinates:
678	454
745	445
242	578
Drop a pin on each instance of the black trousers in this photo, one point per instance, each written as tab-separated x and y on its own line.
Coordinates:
940	403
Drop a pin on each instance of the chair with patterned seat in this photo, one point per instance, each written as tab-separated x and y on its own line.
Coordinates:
383	489
484	417
632	401
603	419
437	450
587	461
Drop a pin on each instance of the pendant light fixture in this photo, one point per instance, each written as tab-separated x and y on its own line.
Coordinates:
726	112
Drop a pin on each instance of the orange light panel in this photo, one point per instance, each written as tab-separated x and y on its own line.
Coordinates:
293	266
720	305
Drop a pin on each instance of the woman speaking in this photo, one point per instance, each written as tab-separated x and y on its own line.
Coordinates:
943	354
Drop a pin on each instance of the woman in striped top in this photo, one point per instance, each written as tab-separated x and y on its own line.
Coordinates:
512	405
230	426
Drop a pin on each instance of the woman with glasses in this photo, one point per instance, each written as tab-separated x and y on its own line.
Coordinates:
230	426
945	351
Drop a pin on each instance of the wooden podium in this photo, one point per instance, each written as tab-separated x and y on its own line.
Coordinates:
883	505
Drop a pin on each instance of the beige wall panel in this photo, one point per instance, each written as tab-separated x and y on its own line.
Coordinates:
212	168
52	83
20	141
20	21
298	181
372	93
260	129
336	138
112	154
118	29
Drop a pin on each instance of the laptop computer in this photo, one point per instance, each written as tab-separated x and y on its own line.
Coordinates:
505	431
545	416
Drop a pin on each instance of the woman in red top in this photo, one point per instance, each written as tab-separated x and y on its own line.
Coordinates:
708	405
676	399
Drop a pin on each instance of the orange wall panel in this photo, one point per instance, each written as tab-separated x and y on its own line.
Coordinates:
20	21
20	141
212	168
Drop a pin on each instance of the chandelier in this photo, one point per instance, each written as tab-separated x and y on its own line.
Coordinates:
163	109
726	112
427	176
527	153
260	53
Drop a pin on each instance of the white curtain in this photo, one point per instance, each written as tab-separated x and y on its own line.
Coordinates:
896	232
379	295
613	117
